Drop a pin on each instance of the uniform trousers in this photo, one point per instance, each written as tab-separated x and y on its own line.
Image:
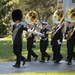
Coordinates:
70	48
17	50
30	51
56	52
43	47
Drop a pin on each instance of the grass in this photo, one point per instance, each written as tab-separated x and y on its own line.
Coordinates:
6	51
46	73
6	54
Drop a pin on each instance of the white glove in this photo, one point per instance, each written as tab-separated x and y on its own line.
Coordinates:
38	33
59	42
29	30
34	43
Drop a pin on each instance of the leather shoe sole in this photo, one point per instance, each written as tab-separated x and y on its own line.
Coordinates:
42	61
69	63
17	66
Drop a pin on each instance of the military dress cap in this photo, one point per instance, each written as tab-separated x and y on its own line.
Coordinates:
44	23
17	15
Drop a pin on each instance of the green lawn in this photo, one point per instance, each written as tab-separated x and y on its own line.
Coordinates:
6	52
46	73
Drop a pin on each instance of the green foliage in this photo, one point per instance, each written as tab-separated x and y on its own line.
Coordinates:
44	8
3	30
5	10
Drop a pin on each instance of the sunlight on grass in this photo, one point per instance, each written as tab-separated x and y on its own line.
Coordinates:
45	73
6	49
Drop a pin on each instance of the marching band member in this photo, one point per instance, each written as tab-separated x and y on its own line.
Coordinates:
56	42
70	34
30	42
17	29
31	19
68	28
44	43
57	36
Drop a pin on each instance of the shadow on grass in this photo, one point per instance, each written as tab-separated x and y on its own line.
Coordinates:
6	51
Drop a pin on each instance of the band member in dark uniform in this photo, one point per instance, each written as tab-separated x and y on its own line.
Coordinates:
44	43
70	42
69	27
30	41
70	34
17	30
57	35
56	42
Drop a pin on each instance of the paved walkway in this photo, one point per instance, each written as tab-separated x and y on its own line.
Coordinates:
36	66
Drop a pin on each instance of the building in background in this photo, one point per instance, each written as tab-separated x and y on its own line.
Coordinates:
68	4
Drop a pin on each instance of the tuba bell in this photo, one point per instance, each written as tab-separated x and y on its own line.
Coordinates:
70	15
58	18
31	17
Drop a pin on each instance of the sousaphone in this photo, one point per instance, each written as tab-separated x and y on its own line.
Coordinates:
31	17
70	15
58	18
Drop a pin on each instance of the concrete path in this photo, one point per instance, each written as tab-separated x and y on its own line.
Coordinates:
36	66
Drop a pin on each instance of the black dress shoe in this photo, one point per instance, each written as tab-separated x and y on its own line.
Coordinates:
42	61
17	66
36	58
57	62
48	58
69	63
66	60
60	58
